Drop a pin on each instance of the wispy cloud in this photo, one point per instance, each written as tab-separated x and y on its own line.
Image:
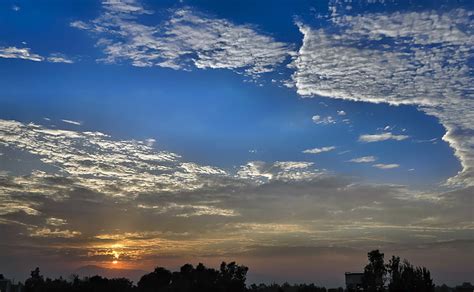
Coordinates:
386	166
319	150
26	54
72	122
19	53
364	159
369	138
59	58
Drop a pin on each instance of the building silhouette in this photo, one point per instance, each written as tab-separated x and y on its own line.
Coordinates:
6	285
354	281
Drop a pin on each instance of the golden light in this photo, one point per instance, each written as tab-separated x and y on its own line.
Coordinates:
115	262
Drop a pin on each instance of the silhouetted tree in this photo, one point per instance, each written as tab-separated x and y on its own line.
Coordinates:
35	283
374	272
232	277
156	281
395	271
404	277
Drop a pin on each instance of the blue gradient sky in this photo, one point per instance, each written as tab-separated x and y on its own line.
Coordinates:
231	117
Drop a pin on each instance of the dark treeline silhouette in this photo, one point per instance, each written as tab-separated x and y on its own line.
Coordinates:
401	277
394	276
229	278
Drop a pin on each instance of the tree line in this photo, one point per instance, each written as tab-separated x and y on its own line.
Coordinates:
395	276
378	276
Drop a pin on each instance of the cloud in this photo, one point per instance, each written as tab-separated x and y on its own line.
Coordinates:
198	210
189	210
150	142
16	8
26	54
72	122
386	166
125	7
319	150
416	58
341	113
186	40
369	138
47	232
262	172
364	159
55	221
19	53
94	161
59	58
317	119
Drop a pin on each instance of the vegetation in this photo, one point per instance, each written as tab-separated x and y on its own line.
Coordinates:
395	276
401	276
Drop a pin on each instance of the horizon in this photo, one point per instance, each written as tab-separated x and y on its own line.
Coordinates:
291	137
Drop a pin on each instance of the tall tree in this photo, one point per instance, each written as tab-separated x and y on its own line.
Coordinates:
374	272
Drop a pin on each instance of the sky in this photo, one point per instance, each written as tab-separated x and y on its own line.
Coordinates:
291	136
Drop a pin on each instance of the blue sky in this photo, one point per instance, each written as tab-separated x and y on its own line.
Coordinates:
367	89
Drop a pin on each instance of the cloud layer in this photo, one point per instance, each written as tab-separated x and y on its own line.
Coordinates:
198	209
185	40
415	58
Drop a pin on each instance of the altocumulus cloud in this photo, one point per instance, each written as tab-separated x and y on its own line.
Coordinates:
196	209
416	58
185	40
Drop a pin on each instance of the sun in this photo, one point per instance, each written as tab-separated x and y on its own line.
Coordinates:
114	262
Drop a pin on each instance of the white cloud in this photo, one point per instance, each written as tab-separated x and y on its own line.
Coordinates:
16	8
386	166
72	122
150	141
186	40
19	53
364	159
317	119
47	232
188	210
319	150
262	172
95	161
341	113
369	138
416	58
125	6
59	58
26	54
56	221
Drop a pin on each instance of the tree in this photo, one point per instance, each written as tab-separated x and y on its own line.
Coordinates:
35	283
395	272
158	280
374	272
232	277
405	277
